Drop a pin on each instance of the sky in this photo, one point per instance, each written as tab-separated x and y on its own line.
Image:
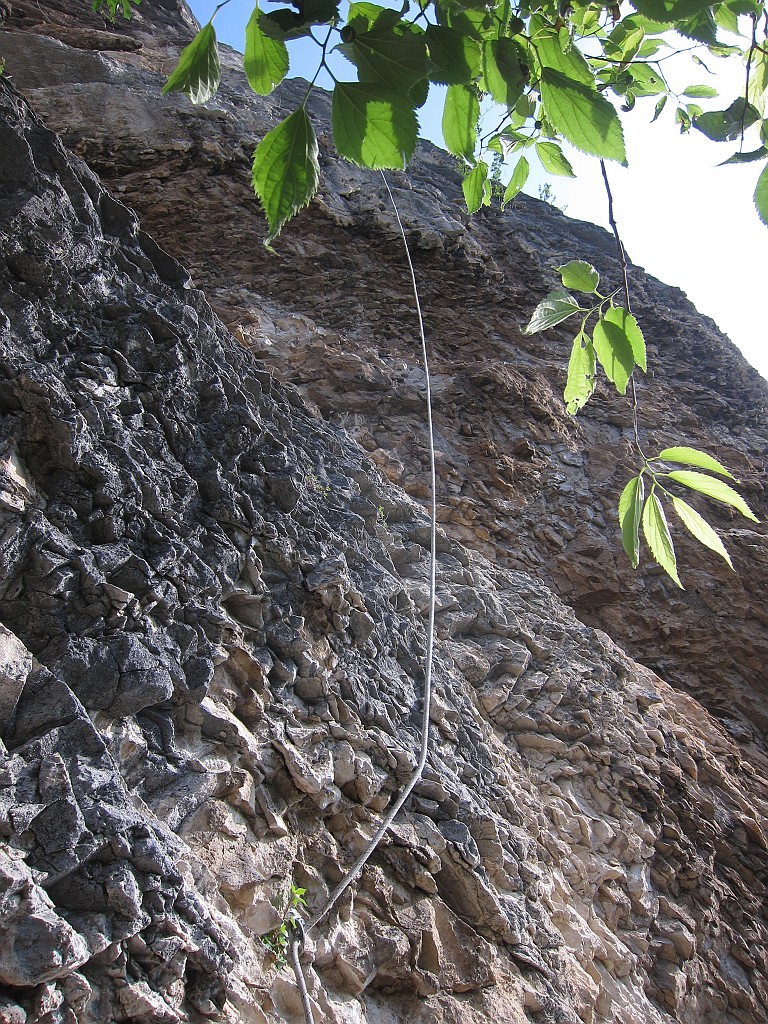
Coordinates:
684	219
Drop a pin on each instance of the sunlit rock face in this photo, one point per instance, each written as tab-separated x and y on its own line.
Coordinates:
215	585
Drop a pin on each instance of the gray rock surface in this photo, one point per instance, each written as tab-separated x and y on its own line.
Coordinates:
212	663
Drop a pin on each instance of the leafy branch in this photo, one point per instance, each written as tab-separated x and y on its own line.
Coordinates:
278	940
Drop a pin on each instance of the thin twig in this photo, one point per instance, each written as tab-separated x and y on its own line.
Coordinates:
625	288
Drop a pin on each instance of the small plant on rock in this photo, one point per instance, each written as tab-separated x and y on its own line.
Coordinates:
277	941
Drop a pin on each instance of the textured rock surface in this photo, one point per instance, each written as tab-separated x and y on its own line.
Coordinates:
519	480
210	661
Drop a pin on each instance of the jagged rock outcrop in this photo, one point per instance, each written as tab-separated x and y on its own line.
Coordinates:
519	480
213	612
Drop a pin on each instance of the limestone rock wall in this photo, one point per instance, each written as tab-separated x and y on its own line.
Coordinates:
213	609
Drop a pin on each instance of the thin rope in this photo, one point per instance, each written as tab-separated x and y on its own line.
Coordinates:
353	872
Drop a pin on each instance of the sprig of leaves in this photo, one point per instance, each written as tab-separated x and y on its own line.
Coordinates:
617	343
638	508
278	940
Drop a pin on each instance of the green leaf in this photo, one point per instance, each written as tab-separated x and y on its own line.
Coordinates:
454	57
553	309
501	76
554	160
476	187
713	488
265	60
761	196
693	457
460	116
517	181
700	91
668	11
656	533
722	125
630	515
746	158
581	374
616	338
582	116
579	275
701	27
198	72
700	528
372	126
758	82
556	51
286	170
659	107
384	56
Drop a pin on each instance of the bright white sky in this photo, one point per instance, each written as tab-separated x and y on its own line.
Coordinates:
687	221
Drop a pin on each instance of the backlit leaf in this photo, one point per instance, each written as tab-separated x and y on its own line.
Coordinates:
460	116
700	528
713	488
582	116
502	76
198	72
372	126
553	160
385	56
668	11
286	170
761	196
581	374
579	275
265	59
656	533
722	125
476	187
517	180
693	457
630	514
613	349
556	307
453	56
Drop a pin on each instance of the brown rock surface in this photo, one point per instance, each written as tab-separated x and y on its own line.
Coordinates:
213	641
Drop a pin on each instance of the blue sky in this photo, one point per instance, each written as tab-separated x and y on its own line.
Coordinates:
687	221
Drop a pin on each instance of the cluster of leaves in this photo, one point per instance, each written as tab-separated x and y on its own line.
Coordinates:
278	940
110	8
636	507
617	342
618	346
547	70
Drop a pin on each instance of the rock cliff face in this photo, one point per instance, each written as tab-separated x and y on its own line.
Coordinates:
214	599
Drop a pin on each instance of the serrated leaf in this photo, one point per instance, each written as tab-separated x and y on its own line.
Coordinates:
553	160
666	12
265	60
581	374
454	57
713	488
579	275
517	181
613	338
460	116
701	27
722	125
476	187
553	309
656	533
761	196
758	82
700	528
198	72
630	515
286	170
693	457
372	126
582	116
384	56
501	74
557	52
